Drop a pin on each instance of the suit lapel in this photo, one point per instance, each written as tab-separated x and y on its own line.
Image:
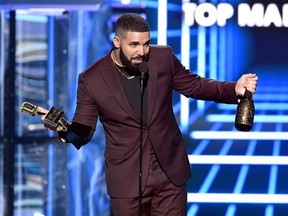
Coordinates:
112	81
152	90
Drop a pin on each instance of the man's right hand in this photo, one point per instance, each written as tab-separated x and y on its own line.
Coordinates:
42	110
45	111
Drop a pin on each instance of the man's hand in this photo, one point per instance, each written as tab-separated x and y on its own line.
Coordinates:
43	116
246	81
42	110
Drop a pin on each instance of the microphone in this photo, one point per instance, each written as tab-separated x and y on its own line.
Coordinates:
143	68
53	118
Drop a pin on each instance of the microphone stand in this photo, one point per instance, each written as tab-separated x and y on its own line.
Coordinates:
142	79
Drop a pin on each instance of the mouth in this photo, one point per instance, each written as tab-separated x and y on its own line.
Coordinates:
137	60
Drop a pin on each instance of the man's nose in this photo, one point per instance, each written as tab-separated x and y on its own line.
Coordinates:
141	50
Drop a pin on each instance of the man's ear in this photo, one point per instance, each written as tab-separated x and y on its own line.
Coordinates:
116	42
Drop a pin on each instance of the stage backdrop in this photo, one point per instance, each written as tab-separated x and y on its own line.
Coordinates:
234	173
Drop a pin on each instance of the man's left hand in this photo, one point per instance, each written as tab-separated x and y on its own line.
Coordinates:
246	81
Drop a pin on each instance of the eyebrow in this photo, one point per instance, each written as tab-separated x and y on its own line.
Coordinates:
137	42
147	42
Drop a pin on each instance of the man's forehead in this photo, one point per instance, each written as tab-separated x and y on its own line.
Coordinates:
138	36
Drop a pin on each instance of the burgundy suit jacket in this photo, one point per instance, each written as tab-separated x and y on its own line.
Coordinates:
100	95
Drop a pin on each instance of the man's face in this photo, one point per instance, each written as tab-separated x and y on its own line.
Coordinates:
134	49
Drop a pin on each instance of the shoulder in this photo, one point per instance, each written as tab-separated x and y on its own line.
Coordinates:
97	67
160	48
160	52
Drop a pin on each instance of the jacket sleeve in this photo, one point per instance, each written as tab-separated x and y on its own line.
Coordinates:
197	87
77	134
85	117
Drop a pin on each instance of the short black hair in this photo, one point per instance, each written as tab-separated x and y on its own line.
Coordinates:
131	22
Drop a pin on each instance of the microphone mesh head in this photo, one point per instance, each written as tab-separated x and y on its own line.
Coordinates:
143	67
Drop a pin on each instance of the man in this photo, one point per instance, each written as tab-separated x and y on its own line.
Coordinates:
110	89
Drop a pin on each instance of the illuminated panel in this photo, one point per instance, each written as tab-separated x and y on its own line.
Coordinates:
242	176
238	160
270	97
2	69
15	2
273	179
260	16
219	68
222	54
201	63
214	169
162	22
269	210
51	100
237	135
67	4
259	106
258	118
237	198
213	53
185	60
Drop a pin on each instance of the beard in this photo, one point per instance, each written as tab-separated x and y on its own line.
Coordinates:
133	69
